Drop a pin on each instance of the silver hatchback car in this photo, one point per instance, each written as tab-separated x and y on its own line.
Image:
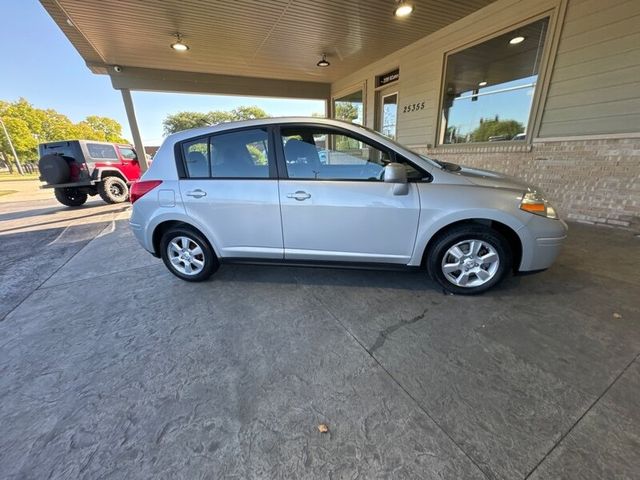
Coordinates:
316	191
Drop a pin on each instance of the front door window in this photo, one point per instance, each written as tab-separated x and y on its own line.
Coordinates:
322	154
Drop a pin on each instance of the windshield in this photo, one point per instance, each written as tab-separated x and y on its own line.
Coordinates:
435	163
448	166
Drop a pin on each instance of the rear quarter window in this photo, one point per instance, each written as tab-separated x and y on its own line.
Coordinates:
102	152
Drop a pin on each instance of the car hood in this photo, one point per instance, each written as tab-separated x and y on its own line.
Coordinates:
487	178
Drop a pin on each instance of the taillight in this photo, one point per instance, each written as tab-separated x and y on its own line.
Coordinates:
141	188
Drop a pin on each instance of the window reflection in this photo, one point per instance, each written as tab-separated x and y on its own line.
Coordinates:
489	87
349	108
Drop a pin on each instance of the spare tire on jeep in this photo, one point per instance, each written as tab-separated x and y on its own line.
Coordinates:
54	169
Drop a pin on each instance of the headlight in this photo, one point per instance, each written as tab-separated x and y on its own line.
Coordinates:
534	202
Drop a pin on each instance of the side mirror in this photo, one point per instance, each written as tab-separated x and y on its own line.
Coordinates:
396	173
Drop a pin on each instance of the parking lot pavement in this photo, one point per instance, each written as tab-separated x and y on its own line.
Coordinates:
38	237
110	366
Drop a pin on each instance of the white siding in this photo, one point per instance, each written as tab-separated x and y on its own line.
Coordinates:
594	83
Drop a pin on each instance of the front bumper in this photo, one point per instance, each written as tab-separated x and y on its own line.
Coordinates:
542	242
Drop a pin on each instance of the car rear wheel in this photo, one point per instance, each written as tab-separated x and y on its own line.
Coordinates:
71	197
113	190
469	259
188	255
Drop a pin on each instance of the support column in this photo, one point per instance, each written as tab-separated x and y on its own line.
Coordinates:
133	125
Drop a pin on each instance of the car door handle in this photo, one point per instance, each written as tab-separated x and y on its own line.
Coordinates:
197	193
299	195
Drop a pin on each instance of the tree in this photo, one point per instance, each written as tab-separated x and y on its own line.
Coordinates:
347	111
248	113
56	126
105	127
21	137
186	120
496	128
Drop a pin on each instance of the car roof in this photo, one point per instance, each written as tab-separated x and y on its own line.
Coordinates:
260	122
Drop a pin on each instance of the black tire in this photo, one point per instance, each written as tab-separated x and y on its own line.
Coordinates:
455	235
208	256
113	190
71	197
54	169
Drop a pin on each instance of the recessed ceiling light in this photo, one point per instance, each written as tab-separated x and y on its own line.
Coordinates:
324	62
403	9
516	40
482	84
179	45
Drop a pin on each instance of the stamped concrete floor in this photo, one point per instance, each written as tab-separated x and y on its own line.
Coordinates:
110	367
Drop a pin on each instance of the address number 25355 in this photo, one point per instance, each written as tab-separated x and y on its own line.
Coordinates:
412	107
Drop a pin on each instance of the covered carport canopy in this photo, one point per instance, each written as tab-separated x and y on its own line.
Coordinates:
264	48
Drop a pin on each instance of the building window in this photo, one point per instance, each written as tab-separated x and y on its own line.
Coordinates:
350	107
489	88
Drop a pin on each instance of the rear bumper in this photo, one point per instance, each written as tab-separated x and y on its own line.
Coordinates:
139	232
542	245
69	185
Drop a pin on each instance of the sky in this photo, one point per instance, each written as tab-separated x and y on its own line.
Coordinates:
41	65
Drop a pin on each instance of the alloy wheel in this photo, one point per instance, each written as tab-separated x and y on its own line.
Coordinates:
470	263
185	255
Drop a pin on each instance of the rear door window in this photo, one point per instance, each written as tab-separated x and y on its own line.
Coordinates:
237	154
243	154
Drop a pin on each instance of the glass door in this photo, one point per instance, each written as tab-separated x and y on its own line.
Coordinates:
388	114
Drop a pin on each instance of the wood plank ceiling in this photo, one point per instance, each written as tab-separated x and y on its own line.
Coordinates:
257	38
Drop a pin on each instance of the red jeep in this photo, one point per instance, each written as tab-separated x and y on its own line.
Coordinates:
78	168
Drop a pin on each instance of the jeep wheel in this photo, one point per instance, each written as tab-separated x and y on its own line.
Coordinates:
188	255
71	197
113	190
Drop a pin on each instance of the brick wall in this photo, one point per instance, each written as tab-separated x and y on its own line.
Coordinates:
595	181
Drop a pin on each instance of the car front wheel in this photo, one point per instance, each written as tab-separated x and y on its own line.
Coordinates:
188	255
469	259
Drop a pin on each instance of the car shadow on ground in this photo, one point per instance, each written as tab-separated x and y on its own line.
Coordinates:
89	208
414	279
51	209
